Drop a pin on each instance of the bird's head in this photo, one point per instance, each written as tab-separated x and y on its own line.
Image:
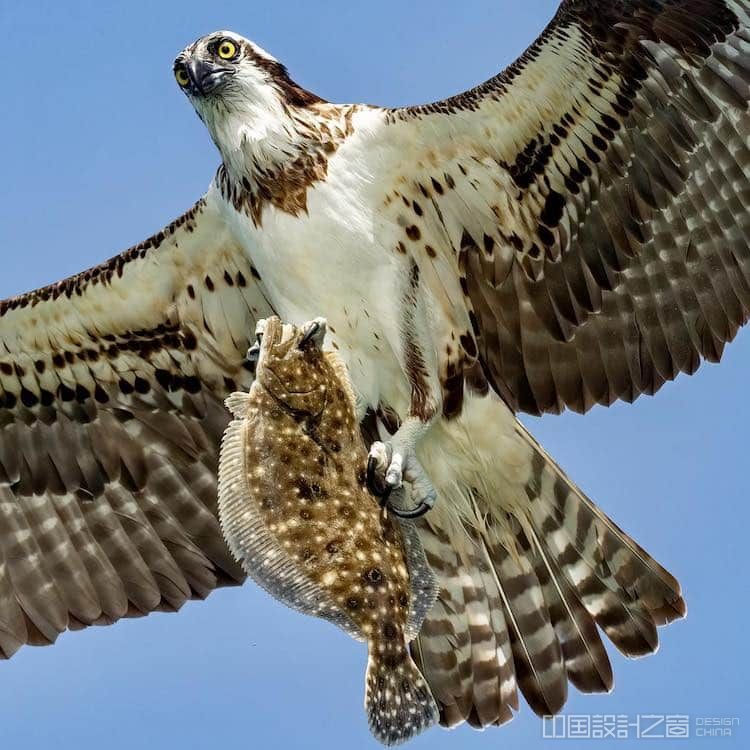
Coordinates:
228	78
244	96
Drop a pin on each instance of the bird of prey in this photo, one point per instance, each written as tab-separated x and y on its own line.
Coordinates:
573	232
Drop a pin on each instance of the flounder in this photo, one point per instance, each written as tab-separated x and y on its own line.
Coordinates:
295	511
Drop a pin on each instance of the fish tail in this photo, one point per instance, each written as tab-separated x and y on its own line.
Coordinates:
398	701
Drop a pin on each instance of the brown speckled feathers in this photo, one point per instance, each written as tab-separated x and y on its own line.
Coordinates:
578	227
597	207
111	412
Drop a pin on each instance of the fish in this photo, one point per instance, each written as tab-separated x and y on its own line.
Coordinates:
296	513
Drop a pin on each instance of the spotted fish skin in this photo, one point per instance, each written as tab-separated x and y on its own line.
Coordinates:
296	513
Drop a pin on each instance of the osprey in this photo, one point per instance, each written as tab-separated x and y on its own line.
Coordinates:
573	232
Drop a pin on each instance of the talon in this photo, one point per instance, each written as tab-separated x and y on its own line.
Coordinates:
375	487
425	505
394	477
411	515
315	333
377	462
390	465
253	354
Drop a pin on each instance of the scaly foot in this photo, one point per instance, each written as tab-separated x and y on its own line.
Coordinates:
394	462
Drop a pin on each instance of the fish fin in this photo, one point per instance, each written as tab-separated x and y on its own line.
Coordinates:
398	700
263	559
422	581
344	379
238	404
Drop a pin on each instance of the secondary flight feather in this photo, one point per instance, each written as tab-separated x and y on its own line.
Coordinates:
572	232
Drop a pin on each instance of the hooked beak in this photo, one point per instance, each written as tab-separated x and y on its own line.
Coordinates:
205	77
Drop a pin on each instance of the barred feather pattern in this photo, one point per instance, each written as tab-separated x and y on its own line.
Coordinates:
464	649
111	414
592	200
531	573
580	228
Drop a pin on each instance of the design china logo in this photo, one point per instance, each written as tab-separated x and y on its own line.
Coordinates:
637	727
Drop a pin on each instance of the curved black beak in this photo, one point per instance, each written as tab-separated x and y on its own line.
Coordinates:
204	76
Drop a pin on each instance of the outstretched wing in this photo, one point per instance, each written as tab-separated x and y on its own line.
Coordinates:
589	206
111	413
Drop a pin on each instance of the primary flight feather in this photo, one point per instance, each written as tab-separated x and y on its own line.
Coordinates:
573	232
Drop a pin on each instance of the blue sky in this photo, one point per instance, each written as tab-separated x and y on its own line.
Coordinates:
97	150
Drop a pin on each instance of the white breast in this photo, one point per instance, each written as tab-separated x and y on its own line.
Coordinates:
332	262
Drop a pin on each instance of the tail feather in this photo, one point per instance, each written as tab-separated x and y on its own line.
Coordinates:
618	561
537	656
446	653
464	649
586	661
483	677
624	589
495	690
530	571
628	625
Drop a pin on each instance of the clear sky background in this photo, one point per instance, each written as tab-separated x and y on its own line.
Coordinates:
98	149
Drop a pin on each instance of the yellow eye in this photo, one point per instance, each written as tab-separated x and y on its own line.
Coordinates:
182	77
227	50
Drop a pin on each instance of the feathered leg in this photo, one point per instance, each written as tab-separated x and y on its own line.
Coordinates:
394	461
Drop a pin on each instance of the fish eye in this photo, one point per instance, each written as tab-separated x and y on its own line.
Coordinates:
227	50
181	76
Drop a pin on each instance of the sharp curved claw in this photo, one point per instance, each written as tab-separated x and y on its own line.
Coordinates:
389	465
411	515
